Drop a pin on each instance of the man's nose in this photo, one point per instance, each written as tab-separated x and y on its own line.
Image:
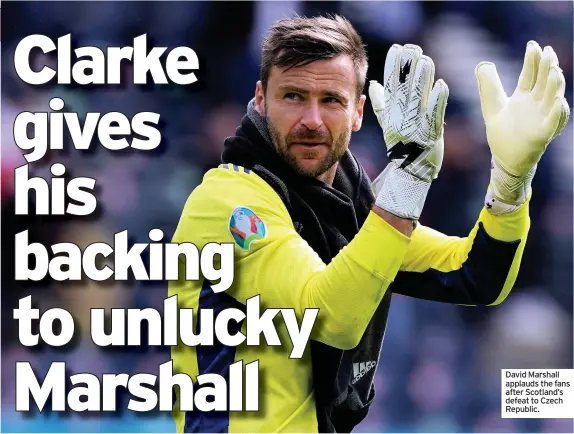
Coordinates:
312	116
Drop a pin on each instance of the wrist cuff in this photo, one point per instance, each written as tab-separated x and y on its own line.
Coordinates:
507	192
509	188
401	193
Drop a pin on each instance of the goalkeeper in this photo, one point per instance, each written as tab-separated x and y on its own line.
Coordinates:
310	231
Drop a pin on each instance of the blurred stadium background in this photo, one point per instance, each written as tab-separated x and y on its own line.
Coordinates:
440	368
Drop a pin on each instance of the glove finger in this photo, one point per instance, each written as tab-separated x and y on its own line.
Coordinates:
436	109
392	63
422	85
377	96
408	63
557	118
548	60
490	89
554	87
530	67
564	117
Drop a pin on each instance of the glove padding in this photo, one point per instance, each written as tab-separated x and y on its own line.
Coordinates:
411	113
519	128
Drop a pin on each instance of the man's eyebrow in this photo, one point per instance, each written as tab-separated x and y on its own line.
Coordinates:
332	93
287	87
337	95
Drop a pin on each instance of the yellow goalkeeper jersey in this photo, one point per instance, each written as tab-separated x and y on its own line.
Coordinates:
234	205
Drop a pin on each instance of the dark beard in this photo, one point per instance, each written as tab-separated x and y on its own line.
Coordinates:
334	156
324	165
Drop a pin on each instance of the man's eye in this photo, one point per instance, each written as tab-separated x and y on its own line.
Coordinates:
331	99
292	96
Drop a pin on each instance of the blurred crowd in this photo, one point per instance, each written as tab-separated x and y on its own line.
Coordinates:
440	368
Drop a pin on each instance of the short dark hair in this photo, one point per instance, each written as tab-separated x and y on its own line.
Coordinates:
298	41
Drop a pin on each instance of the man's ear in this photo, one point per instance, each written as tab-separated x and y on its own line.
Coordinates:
358	120
260	98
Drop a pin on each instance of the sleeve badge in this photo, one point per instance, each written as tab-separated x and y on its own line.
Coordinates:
246	227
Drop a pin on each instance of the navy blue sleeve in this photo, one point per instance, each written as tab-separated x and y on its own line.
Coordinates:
479	281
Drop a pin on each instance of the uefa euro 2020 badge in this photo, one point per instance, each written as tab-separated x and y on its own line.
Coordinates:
246	227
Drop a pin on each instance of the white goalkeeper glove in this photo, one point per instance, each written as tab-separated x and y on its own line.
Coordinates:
519	128
411	113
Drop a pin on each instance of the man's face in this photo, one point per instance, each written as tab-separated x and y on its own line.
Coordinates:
311	112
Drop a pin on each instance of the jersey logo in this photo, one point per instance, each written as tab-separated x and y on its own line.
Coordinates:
361	369
246	227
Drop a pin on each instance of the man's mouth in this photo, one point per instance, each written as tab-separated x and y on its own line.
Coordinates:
308	144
